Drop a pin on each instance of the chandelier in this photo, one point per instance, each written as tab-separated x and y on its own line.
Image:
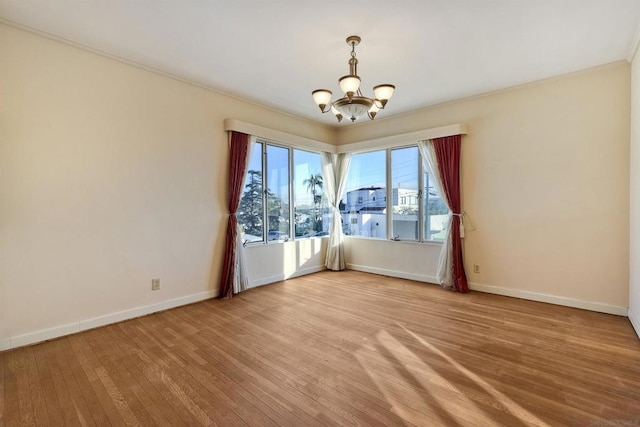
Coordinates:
353	104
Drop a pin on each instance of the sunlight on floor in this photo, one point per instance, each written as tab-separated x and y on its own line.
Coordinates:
513	407
412	395
408	393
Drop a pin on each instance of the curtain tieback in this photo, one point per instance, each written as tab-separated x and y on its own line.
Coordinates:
461	216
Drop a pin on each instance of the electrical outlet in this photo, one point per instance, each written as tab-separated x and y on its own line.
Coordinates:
155	284
476	268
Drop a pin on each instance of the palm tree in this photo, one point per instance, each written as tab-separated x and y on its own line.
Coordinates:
314	183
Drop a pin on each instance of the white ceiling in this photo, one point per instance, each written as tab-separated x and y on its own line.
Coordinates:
276	52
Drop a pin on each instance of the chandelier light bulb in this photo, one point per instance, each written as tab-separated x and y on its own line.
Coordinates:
373	110
322	97
383	93
349	84
337	113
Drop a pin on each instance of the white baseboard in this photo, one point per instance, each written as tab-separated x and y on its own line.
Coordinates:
393	273
284	276
95	322
44	334
551	299
119	316
635	321
533	296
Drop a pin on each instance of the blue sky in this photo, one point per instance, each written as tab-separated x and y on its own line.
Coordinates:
305	164
367	169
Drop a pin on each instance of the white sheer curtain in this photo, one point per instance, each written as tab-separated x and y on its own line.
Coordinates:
443	275
335	168
241	279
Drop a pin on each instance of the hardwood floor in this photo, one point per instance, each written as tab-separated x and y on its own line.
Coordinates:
331	348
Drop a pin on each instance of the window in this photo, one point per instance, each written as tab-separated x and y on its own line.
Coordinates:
435	211
291	188
417	210
404	186
250	211
277	192
365	194
311	211
284	197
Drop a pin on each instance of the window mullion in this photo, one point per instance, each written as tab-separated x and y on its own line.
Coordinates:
426	203
389	215
265	189
421	198
292	217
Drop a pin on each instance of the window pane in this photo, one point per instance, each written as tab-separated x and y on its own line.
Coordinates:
310	203
435	211
278	193
250	211
404	179
364	205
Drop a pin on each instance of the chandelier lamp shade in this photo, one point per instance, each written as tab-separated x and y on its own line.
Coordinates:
353	104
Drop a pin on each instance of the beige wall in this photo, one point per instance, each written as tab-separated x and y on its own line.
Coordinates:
408	260
634	193
279	261
110	175
545	176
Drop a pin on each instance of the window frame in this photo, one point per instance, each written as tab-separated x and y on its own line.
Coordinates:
265	143
389	197
421	197
265	190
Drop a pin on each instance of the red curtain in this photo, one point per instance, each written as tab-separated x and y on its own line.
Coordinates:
448	156
238	153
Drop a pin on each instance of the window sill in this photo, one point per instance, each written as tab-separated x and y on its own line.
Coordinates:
410	242
276	242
